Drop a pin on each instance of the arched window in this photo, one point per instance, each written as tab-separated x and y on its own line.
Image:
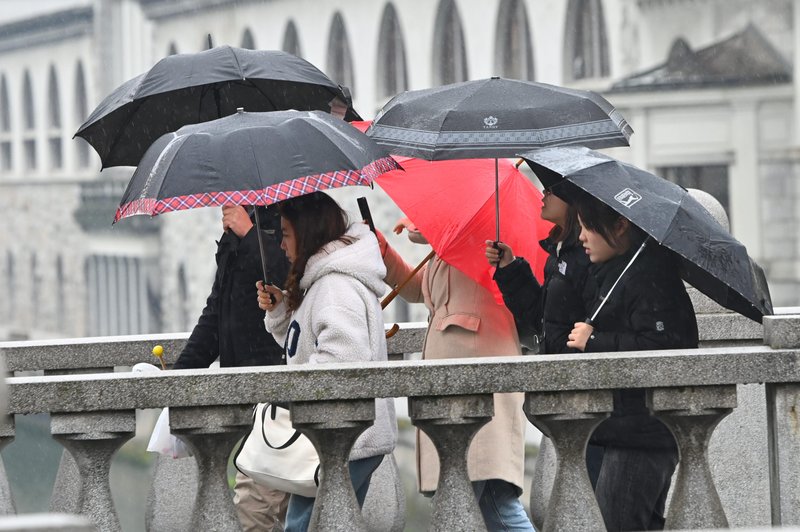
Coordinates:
11	286
340	62
36	280
450	54
247	40
29	122
54	140
6	161
61	296
391	68
291	40
173	48
586	46
183	300
81	114
513	54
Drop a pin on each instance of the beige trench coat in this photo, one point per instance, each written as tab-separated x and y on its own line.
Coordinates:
465	321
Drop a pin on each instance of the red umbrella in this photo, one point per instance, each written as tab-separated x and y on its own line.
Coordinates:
452	203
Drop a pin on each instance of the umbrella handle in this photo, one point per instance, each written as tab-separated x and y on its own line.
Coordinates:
261	251
391	332
396	290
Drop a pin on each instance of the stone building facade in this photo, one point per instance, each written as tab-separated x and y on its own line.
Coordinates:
708	86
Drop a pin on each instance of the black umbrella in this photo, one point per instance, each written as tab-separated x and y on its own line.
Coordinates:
192	88
495	118
251	159
711	260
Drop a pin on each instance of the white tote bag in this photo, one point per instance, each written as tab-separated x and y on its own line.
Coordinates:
276	455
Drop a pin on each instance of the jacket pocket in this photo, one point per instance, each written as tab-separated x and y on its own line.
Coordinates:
465	321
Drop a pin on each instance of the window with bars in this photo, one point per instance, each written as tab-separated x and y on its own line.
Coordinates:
712	178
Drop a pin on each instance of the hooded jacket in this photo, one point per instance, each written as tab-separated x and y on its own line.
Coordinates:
231	325
648	309
340	320
550	310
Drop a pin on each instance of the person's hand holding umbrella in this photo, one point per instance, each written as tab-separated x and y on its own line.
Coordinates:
236	219
499	254
269	296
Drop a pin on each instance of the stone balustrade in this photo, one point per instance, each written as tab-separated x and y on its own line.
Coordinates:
566	396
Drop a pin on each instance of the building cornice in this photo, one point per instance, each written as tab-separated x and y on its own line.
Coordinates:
164	9
46	29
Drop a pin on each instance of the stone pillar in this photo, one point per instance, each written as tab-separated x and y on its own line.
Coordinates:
333	427
92	438
7	433
692	414
451	422
568	419
783	420
211	432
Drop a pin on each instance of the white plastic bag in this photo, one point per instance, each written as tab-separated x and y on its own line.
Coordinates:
162	441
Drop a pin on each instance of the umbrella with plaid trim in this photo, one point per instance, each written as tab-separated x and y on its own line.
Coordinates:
251	159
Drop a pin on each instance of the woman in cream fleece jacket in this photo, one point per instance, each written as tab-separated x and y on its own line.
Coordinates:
330	313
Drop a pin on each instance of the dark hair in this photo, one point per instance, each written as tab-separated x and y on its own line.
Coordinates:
317	220
602	219
570	229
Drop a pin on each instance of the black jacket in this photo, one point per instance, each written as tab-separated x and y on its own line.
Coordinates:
649	309
232	325
548	311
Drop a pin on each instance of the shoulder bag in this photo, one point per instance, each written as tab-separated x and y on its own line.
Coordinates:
276	455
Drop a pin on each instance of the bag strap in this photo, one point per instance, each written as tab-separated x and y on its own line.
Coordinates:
273	410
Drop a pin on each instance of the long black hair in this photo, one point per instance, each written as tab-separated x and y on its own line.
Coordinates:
317	220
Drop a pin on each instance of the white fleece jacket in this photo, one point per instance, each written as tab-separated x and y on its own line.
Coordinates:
340	320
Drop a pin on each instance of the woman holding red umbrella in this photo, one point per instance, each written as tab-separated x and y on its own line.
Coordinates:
466	320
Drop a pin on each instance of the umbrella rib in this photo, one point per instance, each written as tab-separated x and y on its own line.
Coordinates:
129	112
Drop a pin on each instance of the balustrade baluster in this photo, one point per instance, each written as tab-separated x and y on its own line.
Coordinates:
568	419
692	413
333	427
211	432
92	438
451	422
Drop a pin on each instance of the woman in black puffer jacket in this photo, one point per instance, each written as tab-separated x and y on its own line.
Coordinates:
545	313
648	309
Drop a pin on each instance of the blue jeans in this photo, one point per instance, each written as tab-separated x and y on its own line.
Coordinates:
500	506
632	487
298	516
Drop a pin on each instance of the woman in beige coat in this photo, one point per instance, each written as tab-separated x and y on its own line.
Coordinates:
465	321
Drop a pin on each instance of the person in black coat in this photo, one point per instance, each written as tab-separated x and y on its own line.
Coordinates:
231	328
648	309
545	313
231	325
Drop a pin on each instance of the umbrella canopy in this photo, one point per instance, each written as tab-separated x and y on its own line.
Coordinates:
711	260
452	204
495	117
186	89
251	159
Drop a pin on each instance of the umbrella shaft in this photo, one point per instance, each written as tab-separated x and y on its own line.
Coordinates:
613	286
496	202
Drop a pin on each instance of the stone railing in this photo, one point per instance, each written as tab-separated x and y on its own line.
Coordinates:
92	415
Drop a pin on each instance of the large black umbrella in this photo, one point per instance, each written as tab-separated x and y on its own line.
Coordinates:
711	260
192	88
251	159
495	118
